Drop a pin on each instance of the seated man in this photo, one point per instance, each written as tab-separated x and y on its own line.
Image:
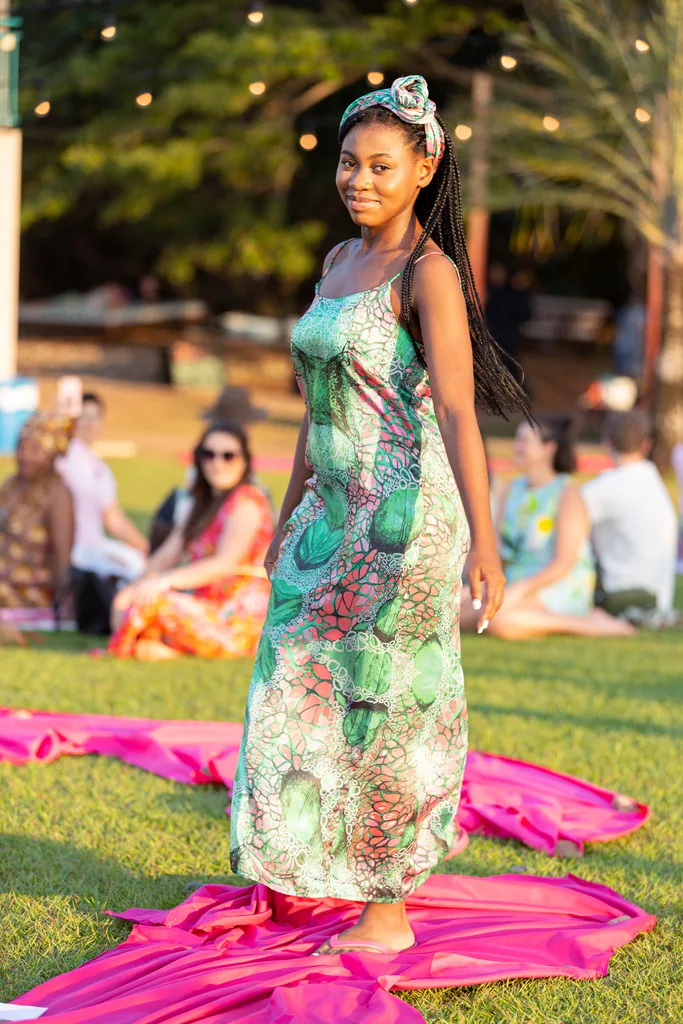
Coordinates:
93	487
633	523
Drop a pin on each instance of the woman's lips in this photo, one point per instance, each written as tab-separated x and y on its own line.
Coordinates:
361	203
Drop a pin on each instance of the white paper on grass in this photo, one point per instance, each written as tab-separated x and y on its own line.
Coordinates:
12	1011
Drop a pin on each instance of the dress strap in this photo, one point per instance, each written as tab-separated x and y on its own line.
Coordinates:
335	252
446	256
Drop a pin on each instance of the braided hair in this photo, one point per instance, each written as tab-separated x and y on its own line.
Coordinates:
439	210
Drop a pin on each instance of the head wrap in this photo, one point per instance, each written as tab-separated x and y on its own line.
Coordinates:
409	99
52	432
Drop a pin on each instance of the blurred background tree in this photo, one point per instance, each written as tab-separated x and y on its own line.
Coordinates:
595	124
173	131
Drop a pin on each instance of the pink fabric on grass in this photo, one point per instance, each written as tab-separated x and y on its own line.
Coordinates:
227	955
500	796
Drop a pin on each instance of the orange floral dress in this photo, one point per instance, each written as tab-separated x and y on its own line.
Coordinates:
220	620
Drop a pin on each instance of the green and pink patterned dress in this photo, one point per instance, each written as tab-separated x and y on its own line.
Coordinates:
356	727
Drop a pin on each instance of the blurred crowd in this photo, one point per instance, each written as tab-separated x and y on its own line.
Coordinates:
595	559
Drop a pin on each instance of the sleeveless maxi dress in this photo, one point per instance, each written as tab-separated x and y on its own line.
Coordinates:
355	734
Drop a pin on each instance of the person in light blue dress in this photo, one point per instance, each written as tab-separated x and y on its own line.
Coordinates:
544	543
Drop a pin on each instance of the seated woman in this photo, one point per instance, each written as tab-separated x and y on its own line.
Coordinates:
36	521
205	591
544	537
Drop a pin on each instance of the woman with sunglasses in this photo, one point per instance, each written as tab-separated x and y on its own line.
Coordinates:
205	591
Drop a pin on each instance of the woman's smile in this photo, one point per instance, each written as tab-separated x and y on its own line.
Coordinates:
360	202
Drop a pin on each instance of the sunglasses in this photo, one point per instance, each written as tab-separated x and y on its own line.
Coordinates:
208	455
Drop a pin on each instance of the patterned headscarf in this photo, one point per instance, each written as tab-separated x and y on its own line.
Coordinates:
52	432
409	99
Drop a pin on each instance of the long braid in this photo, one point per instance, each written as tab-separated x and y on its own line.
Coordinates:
439	211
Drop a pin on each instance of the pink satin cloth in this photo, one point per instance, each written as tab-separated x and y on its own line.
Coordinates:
227	955
500	796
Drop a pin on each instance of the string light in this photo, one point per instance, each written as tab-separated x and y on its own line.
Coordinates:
463	132
257	88
375	77
8	42
641	45
508	61
256	15
643	115
550	123
108	29
308	140
42	109
411	3
144	99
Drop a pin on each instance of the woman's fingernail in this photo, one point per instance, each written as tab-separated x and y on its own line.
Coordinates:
476	604
483	626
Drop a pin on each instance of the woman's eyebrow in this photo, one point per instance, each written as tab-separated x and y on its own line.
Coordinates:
347	152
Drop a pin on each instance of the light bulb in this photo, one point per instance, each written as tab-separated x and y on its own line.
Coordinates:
308	140
411	3
642	46
144	99
257	88
463	132
8	42
256	15
375	77
551	124
508	62
108	29
643	115
42	109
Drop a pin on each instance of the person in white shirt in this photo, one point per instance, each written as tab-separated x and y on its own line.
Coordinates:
106	541
634	525
677	463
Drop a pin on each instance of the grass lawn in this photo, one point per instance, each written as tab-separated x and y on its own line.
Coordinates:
86	834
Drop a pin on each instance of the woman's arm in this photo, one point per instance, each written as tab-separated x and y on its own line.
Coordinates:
60	527
300	474
236	540
166	556
119	526
293	495
446	338
571	530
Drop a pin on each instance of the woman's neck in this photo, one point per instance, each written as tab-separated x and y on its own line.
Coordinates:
539	476
395	234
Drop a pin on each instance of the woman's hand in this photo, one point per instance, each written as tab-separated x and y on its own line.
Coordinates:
149	587
273	552
487	582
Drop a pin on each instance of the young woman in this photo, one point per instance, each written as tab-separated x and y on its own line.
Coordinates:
545	544
355	731
36	519
205	590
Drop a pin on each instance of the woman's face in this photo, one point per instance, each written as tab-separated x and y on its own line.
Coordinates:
222	460
32	459
531	451
379	174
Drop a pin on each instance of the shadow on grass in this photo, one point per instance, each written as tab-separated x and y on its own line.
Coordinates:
584	721
45	867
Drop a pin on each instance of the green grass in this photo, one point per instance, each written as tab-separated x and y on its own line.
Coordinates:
85	834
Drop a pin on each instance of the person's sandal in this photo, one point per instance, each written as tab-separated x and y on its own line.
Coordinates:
335	945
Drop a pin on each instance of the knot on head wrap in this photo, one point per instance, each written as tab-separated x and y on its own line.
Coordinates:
52	432
408	99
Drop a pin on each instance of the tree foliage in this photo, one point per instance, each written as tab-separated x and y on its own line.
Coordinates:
208	167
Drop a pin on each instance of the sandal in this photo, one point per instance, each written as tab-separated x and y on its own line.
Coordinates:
336	945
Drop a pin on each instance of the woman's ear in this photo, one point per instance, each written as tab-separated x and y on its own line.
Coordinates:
426	171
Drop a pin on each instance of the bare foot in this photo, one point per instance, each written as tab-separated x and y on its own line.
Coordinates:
383	923
10	635
566	848
623	803
154	650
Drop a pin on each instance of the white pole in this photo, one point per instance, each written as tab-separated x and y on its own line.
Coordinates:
10	203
